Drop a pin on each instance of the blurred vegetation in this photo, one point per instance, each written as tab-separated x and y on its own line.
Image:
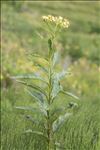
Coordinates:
80	52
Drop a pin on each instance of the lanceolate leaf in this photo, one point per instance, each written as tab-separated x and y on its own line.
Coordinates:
56	88
69	94
39	56
55	58
35	121
42	67
35	110
56	83
30	118
36	132
43	110
30	76
38	96
60	121
26	108
43	106
34	87
61	75
40	62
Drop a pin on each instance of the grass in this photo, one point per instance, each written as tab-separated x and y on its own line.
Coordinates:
81	131
80	48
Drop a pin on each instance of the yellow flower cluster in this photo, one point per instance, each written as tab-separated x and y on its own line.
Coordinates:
64	23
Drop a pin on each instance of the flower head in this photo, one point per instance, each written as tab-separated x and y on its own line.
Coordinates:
60	21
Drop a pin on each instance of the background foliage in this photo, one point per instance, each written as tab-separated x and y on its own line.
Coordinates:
80	52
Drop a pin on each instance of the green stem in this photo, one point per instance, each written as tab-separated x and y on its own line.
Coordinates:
49	98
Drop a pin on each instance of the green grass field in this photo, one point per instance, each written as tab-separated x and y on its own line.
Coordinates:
79	46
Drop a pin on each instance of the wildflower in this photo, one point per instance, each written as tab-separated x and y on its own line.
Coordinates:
45	18
50	18
60	18
64	24
60	21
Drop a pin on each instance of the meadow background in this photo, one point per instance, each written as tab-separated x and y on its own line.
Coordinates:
79	46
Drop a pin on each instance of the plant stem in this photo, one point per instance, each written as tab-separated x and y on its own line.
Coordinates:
49	99
48	111
48	129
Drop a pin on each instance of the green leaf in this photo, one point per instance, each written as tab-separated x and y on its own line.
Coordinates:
34	87
38	96
30	118
39	56
38	61
43	106
69	94
36	132
40	109
60	121
42	67
55	58
38	122
26	108
56	83
30	76
56	88
61	75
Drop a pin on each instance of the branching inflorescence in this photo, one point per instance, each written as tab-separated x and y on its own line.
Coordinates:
59	21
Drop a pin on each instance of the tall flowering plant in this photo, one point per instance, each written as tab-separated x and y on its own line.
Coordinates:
45	95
